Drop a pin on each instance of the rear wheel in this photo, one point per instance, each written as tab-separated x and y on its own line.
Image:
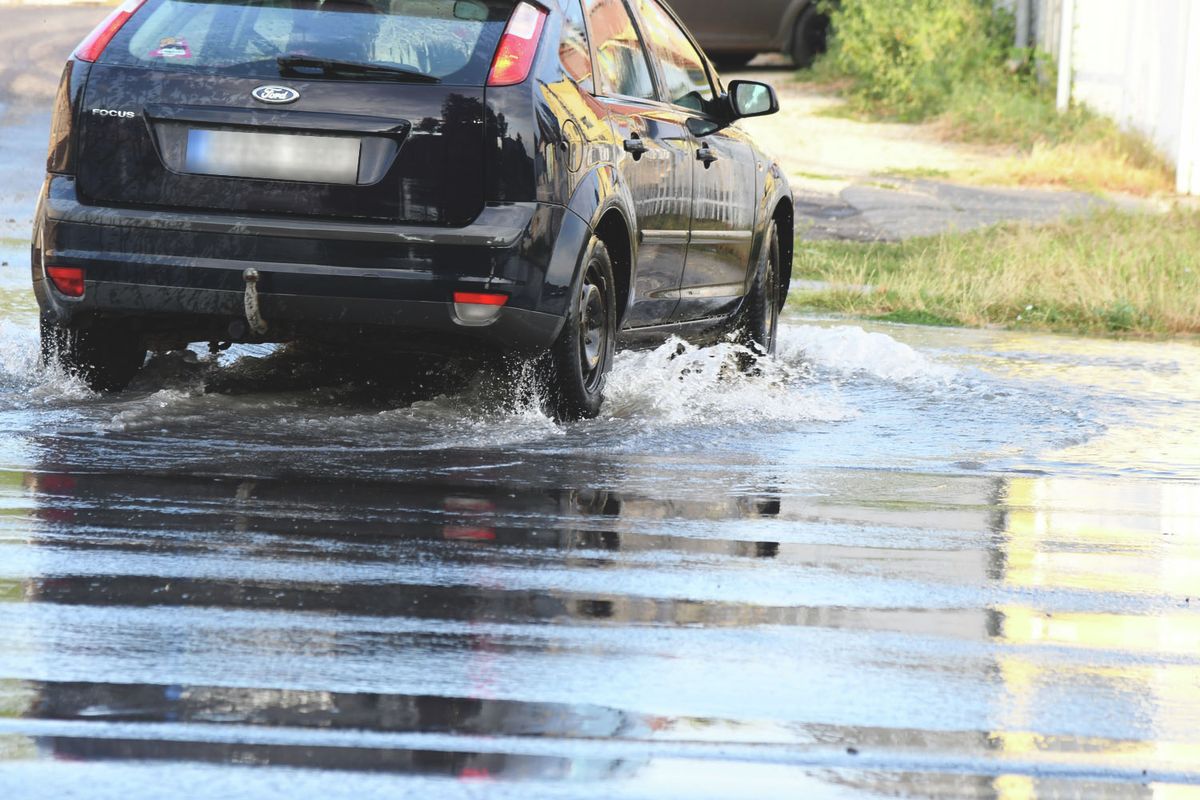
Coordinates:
105	355
578	364
809	39
759	329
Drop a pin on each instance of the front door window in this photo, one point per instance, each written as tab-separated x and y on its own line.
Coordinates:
622	69
683	68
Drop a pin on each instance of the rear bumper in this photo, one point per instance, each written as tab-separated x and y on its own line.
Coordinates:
181	273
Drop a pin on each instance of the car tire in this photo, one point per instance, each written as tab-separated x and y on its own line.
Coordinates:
577	367
104	355
809	37
759	328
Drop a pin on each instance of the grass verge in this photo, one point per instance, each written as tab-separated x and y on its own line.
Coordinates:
950	63
1078	149
1109	273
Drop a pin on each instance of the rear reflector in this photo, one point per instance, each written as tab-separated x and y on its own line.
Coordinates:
480	298
518	46
478	308
95	42
68	280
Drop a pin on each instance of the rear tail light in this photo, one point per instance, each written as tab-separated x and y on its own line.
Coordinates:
518	46
478	308
95	42
480	298
58	159
68	280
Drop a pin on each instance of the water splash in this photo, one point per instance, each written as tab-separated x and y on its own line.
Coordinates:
849	351
674	384
679	383
24	379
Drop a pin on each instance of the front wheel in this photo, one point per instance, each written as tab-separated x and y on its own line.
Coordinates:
759	328
577	367
105	355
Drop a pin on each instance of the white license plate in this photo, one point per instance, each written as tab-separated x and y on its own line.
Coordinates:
273	156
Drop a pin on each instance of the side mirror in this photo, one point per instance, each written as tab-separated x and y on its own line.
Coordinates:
752	99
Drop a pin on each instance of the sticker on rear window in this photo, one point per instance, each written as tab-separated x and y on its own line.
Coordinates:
172	47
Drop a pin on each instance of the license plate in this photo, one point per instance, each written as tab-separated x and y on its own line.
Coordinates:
273	156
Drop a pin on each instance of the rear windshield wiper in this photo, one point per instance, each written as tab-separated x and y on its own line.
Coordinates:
331	67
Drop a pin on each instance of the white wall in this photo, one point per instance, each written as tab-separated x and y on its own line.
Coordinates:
1138	61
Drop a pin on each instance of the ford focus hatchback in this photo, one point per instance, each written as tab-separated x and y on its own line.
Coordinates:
431	176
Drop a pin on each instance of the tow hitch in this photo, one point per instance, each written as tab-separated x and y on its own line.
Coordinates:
250	300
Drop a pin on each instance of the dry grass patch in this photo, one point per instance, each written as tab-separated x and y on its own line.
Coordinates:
1091	167
950	63
1107	273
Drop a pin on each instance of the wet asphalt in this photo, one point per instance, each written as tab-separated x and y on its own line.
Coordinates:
901	562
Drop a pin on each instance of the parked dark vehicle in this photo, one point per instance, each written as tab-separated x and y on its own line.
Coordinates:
733	33
422	175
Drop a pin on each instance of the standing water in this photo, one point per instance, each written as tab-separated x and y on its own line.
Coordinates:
899	562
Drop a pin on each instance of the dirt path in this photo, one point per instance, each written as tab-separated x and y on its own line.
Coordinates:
844	172
821	152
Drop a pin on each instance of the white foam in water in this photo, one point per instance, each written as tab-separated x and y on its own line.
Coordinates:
21	369
486	413
851	351
679	383
675	384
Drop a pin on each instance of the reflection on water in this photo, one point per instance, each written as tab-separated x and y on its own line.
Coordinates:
903	562
1105	537
1035	638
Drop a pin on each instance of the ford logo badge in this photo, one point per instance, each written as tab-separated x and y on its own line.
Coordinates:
275	94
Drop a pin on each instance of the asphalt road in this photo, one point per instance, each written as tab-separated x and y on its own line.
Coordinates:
902	562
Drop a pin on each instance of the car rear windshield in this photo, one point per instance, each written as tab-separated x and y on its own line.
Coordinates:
449	40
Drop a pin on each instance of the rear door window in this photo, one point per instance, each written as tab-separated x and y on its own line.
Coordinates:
682	66
450	40
622	67
574	49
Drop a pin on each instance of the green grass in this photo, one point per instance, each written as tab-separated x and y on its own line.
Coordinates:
15	302
918	173
908	317
1078	149
1110	273
949	62
815	176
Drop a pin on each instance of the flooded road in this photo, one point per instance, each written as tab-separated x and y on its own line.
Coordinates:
902	562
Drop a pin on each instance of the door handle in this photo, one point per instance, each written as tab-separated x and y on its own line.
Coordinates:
706	154
636	147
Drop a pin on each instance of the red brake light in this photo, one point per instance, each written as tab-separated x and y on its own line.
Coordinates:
518	46
95	42
480	298
68	280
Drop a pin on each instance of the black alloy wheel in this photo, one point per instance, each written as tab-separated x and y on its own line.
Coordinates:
759	328
579	363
